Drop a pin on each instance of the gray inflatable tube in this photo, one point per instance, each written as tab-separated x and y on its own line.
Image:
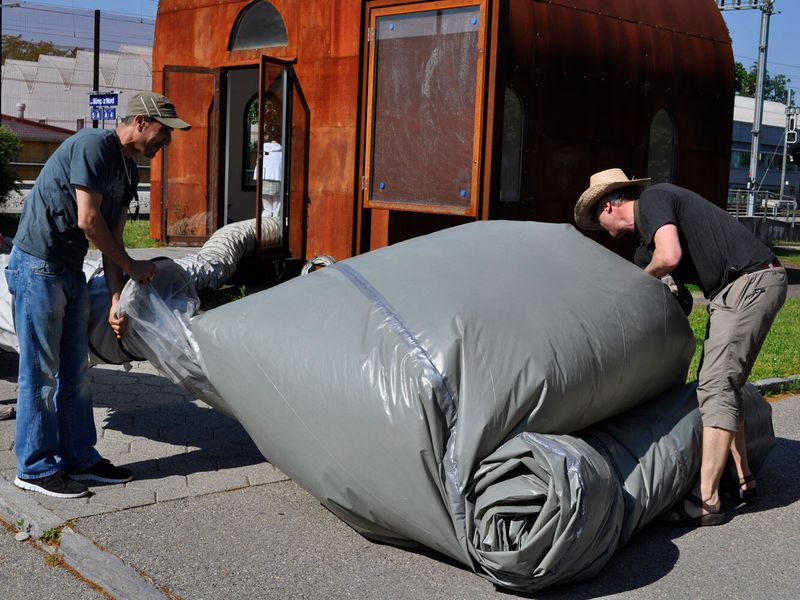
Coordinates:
396	386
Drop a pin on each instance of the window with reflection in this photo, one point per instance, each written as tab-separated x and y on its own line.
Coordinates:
663	143
511	159
740	159
259	25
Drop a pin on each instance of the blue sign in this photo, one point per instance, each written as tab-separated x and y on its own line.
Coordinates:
103	99
104	114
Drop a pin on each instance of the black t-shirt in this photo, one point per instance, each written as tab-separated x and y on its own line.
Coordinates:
715	246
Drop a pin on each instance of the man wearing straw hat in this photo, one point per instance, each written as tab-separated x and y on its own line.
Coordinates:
697	242
81	196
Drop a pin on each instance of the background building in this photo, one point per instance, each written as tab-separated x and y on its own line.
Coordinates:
771	148
37	141
55	89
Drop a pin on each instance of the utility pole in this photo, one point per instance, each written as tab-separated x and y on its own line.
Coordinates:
791	128
96	69
767	9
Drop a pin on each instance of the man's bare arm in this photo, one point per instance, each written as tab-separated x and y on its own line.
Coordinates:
115	281
667	253
95	228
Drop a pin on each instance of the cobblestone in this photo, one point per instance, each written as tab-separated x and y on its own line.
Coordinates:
176	445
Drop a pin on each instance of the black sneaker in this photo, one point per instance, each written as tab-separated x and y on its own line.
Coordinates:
58	485
104	472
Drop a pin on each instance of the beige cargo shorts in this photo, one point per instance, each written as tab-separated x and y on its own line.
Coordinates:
739	318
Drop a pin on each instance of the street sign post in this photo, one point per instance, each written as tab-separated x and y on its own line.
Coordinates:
103	106
103	99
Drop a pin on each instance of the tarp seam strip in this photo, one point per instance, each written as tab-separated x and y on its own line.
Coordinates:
382	304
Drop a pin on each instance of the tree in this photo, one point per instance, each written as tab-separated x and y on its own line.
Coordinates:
13	46
9	148
774	87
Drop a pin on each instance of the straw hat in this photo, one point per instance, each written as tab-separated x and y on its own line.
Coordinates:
601	184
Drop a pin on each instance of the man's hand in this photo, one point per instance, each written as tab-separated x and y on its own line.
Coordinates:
118	322
141	270
680	292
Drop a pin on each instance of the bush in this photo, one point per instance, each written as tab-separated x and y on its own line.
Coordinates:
9	148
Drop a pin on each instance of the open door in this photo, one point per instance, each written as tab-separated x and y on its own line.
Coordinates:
190	165
272	172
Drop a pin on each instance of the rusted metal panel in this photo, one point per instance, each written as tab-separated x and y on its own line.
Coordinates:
331	87
315	35
330	225
345	29
591	75
189	184
332	161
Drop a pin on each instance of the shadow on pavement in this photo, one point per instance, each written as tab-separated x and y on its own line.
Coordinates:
170	432
651	554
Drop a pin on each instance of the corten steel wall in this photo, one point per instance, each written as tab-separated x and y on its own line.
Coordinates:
593	73
324	37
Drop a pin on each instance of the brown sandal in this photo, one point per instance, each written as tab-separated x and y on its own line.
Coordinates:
734	490
678	517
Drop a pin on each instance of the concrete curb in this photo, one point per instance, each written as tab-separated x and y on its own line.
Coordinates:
775	385
107	571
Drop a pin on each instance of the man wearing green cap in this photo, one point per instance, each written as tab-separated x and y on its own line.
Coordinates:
81	196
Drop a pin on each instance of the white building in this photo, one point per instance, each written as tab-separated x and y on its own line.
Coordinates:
55	89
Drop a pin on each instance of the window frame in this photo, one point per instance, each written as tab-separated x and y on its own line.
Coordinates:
478	121
241	19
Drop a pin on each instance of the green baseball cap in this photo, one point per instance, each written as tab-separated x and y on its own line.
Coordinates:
156	107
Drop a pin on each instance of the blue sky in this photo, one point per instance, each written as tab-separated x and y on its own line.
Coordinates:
783	49
783	54
136	8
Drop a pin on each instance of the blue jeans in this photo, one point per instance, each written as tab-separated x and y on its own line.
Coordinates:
55	425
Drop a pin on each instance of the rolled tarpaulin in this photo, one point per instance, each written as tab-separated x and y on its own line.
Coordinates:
381	382
546	509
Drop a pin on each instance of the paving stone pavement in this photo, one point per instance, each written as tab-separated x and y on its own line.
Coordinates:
176	445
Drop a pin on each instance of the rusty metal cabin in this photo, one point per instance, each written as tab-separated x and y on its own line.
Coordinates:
360	123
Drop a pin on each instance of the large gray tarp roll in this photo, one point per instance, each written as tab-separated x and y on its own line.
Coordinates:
380	383
545	509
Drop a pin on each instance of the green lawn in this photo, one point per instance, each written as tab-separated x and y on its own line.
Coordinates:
780	355
788	256
137	235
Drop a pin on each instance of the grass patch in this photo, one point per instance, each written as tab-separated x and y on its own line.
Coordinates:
227	293
53	535
780	355
54	560
137	235
788	256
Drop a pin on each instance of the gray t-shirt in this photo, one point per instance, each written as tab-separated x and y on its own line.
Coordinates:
92	158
